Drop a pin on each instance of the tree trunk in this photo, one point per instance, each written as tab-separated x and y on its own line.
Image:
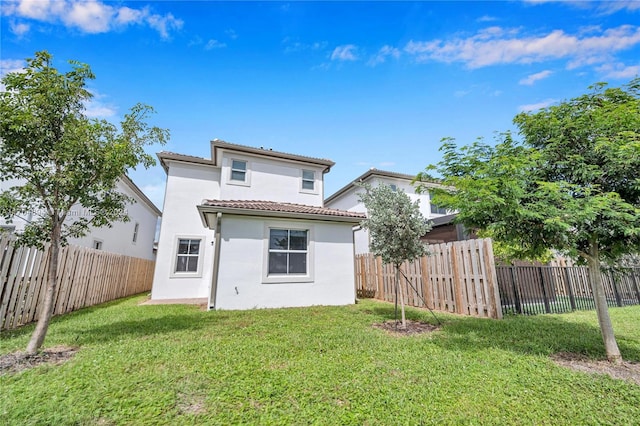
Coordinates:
604	320
404	319
37	338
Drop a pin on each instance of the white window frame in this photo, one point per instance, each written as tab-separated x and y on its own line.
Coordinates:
247	172
289	278
302	180
136	230
174	257
98	243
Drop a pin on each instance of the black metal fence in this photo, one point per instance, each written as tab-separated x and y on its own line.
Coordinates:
532	290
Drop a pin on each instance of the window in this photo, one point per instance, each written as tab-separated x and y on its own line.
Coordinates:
239	170
288	249
438	210
393	187
135	232
97	244
187	255
308	180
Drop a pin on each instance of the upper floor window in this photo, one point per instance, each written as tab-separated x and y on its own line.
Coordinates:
393	187
97	244
308	180
438	210
239	170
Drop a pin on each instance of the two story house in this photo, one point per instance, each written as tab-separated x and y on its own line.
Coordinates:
247	228
347	198
134	238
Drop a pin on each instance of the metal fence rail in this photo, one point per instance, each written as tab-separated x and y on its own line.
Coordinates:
554	289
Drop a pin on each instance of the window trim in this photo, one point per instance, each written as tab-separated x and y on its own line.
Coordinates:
302	180
247	172
174	257
287	278
97	242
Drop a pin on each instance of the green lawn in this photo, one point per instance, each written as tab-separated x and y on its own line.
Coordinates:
322	365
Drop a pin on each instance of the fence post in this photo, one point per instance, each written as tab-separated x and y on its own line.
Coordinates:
616	290
635	283
516	293
572	298
547	307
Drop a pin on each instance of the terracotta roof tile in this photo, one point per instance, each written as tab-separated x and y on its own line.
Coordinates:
272	206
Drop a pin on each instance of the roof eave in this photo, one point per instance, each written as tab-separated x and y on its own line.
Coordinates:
204	209
219	144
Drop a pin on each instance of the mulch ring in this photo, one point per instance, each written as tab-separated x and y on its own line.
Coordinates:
413	327
626	370
20	361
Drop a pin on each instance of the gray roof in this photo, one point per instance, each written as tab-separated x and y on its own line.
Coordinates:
372	173
268	152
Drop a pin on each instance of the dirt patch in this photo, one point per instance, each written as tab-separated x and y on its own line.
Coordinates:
413	327
629	371
20	361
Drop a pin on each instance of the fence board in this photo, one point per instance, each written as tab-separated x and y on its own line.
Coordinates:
455	277
85	277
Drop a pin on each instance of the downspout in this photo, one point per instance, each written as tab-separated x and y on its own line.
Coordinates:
353	243
216	262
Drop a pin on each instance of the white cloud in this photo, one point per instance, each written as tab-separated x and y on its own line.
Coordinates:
536	106
619	71
96	107
214	44
19	28
610	7
382	55
486	18
11	65
231	34
461	93
89	16
495	45
530	79
345	52
292	46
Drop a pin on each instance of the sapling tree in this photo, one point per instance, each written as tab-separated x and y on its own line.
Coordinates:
571	184
63	160
395	226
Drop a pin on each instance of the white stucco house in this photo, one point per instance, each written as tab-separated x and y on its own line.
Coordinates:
347	198
134	238
247	228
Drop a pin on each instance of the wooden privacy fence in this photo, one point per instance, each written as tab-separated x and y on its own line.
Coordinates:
85	277
554	289
457	277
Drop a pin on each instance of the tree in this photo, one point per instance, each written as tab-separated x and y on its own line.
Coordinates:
572	184
395	226
64	160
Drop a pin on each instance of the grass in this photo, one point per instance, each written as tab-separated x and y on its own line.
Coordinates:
322	365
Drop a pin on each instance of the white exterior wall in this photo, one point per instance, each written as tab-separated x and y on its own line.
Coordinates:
350	201
243	259
272	180
187	185
119	238
18	223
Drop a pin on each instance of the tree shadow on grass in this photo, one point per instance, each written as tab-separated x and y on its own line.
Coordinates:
78	328
529	335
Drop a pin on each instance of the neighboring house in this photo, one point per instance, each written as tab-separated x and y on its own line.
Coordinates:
134	238
347	198
247	229
445	230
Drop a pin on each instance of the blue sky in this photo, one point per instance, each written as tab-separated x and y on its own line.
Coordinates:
365	84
